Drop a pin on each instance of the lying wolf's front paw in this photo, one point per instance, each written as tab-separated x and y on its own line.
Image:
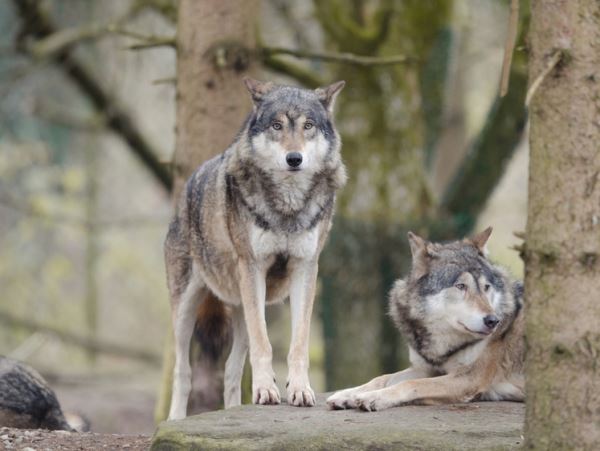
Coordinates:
266	394
342	400
370	402
300	396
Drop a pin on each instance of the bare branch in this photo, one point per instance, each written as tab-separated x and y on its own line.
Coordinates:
151	42
60	40
165	81
556	57
509	47
81	341
37	24
298	73
344	58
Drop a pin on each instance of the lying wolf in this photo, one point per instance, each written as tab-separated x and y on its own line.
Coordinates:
248	230
462	318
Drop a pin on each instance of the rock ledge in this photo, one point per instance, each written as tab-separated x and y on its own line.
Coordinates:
486	425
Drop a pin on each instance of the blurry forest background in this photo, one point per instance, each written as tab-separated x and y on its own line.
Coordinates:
84	206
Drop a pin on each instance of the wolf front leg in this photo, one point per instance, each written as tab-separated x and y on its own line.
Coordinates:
302	294
253	291
435	390
234	367
184	317
346	399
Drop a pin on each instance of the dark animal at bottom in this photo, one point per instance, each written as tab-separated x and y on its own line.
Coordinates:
26	400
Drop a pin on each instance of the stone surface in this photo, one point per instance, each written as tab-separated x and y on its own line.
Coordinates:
487	425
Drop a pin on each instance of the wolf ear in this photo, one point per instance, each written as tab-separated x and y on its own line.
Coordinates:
421	255
480	239
257	89
328	94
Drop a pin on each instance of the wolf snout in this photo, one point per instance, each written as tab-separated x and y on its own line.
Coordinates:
490	321
294	159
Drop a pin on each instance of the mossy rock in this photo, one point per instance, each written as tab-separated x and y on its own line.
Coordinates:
489	425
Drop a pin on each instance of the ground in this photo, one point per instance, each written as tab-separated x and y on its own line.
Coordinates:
488	425
39	440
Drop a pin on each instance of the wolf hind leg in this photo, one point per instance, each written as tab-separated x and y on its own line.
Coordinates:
184	313
234	367
346	399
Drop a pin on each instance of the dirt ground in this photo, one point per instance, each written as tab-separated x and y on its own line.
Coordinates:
111	403
119	409
39	440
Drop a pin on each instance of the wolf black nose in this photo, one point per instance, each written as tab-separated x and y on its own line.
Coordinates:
491	321
294	159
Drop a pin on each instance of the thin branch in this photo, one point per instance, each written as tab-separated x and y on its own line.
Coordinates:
165	81
345	58
152	42
60	40
37	24
81	341
302	75
552	62
509	47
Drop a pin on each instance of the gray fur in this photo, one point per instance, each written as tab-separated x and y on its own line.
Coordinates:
238	187
246	216
408	299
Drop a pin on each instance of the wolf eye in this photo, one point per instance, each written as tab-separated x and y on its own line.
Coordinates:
486	287
276	125
308	125
460	286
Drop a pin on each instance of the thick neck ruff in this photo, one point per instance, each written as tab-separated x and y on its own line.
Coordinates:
290	203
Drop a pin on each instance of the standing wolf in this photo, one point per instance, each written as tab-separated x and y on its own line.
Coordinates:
462	318
248	230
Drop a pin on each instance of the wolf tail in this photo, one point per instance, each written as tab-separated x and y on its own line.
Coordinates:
213	326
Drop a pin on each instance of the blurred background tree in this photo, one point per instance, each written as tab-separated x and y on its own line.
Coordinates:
90	92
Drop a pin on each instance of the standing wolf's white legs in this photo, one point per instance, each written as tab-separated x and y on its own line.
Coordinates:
302	293
184	318
234	367
253	292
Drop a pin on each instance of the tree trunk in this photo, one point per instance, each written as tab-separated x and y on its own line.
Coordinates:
388	190
563	230
211	108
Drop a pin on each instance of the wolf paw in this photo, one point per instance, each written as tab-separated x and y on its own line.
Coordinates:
342	400
301	396
266	395
369	402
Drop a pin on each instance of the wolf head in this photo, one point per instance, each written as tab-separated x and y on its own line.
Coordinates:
460	288
291	129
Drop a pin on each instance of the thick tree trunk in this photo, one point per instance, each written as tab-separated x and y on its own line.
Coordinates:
212	104
563	230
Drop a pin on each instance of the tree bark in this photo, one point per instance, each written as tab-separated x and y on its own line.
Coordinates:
563	230
211	98
211	108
